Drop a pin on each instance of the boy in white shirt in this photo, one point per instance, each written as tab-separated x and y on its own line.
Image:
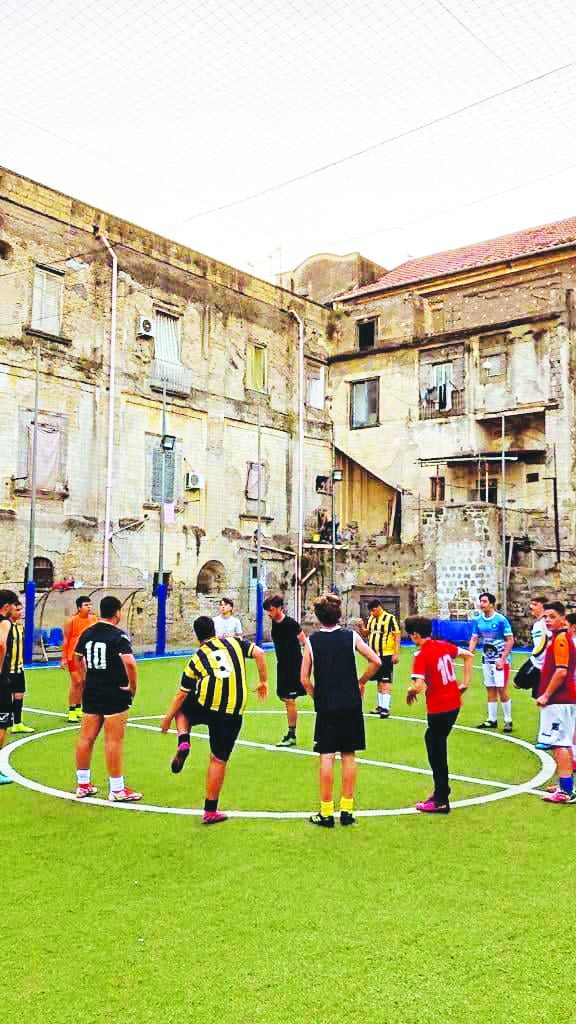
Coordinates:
227	624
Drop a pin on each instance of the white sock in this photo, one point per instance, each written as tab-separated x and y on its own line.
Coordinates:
492	710
507	710
116	784
386	701
381	698
83	776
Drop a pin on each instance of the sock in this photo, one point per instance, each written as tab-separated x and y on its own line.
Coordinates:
492	710
210	806
507	710
83	776
116	784
72	707
381	697
77	707
17	710
183	737
567	784
292	732
347	804
386	701
327	808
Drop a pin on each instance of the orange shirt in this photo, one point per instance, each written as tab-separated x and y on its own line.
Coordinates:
77	625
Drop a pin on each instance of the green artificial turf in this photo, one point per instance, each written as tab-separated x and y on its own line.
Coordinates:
115	915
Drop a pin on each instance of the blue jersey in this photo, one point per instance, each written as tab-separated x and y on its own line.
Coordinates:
493	633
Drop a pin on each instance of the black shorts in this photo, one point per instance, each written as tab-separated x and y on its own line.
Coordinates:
223	729
289	687
106	702
18	682
342	733
384	673
6	719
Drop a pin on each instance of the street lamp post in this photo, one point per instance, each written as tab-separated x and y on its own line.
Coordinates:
167	444
336	479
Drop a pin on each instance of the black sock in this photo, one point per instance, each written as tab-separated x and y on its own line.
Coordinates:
211	805
17	710
292	731
183	737
72	707
77	707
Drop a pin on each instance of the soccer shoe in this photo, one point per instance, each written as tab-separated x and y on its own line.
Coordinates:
84	789
322	820
347	818
552	788
4	780
213	817
559	797
431	807
21	728
287	741
376	711
384	713
124	796
507	727
79	714
487	725
179	758
72	718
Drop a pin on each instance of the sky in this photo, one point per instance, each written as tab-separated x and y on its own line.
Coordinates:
261	133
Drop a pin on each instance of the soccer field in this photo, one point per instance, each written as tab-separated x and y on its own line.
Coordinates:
118	914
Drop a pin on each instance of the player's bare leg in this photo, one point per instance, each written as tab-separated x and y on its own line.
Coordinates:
214	782
114	730
75	697
349	772
90	727
326	816
289	740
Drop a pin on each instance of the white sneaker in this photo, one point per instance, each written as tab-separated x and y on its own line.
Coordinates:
124	796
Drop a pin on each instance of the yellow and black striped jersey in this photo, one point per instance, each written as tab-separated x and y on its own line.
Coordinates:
17	648
382	633
217	674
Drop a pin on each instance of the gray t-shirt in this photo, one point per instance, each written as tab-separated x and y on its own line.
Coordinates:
227	626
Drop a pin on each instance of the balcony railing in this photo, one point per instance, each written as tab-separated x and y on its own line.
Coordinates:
430	409
176	377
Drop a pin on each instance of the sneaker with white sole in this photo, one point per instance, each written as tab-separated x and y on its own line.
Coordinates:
124	796
560	797
85	789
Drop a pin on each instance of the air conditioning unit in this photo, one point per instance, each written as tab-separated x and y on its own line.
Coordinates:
145	327
194	482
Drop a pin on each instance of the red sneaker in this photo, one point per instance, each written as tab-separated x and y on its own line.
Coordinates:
179	758
124	796
431	807
84	789
213	817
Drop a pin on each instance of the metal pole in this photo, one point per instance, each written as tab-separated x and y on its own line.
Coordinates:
259	497
556	511
30	586
333	517
162	489
503	503
300	547
111	411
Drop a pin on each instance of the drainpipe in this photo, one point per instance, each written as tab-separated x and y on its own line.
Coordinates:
111	407
300	547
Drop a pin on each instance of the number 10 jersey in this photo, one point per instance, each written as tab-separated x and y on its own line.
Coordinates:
101	646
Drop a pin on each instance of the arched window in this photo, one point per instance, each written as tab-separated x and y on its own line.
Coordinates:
43	573
211	578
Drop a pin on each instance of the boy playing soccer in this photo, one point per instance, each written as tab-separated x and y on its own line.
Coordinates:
330	655
556	701
73	629
497	640
8	600
287	635
17	677
433	671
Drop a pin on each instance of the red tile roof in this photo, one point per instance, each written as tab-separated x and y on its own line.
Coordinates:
496	250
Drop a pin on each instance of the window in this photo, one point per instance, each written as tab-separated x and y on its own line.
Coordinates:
51	452
443	386
437	488
173	472
323	485
47	295
488	491
532	478
493	358
316	387
255	478
367	333
167	338
256	368
493	365
364	403
43	573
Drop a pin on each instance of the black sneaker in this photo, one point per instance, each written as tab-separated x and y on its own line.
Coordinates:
322	821
287	741
179	758
376	712
347	818
384	713
507	727
487	725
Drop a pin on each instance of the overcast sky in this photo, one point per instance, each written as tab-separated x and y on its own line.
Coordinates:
165	111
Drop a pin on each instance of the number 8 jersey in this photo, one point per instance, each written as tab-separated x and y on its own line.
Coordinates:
217	675
101	646
433	663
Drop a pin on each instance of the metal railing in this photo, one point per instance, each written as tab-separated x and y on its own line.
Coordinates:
176	376
430	410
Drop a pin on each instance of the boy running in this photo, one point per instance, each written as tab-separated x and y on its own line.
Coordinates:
213	692
495	634
557	701
287	636
433	671
330	655
17	677
73	629
8	601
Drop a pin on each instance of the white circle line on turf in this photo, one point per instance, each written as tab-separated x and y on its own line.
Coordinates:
547	769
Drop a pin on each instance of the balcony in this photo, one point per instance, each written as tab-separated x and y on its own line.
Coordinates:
174	376
430	407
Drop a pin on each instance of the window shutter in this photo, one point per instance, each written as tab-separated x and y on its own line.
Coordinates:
166	338
156	481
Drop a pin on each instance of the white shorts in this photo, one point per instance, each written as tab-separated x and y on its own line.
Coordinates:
495	676
557	724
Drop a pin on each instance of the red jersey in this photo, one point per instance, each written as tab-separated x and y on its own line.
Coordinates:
433	663
560	653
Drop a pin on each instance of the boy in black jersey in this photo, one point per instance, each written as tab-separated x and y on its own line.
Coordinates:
109	679
330	655
17	677
287	636
8	601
